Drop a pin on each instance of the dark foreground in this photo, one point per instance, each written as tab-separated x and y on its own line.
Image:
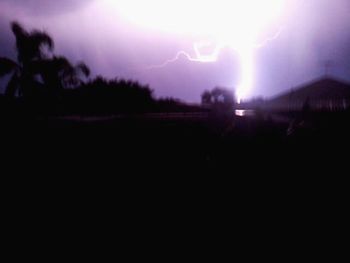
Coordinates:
181	143
212	154
191	180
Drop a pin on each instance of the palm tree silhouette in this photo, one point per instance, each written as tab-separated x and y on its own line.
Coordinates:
30	49
35	59
58	73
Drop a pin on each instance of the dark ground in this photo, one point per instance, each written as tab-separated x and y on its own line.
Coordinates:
166	152
163	186
181	143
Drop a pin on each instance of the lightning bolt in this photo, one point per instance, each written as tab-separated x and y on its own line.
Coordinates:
269	39
231	24
178	55
245	52
199	57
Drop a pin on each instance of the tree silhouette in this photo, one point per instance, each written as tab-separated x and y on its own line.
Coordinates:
35	60
30	48
219	98
206	98
30	45
50	84
58	73
101	96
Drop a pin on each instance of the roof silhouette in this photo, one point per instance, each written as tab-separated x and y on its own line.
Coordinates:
321	89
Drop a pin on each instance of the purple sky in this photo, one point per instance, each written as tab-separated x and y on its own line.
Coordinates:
316	32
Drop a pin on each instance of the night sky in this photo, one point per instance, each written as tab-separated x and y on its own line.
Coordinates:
89	30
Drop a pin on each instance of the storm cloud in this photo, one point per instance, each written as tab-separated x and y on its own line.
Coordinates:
44	7
315	32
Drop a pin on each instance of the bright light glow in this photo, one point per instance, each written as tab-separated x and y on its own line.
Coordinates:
245	113
238	24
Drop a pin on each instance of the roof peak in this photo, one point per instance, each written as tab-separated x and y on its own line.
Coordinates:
320	81
317	86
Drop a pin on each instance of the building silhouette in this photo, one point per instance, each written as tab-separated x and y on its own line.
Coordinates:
327	94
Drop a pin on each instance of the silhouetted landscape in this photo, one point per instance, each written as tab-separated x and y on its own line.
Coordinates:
126	124
51	104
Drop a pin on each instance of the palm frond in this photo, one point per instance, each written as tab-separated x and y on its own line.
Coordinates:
30	44
18	30
41	38
83	68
